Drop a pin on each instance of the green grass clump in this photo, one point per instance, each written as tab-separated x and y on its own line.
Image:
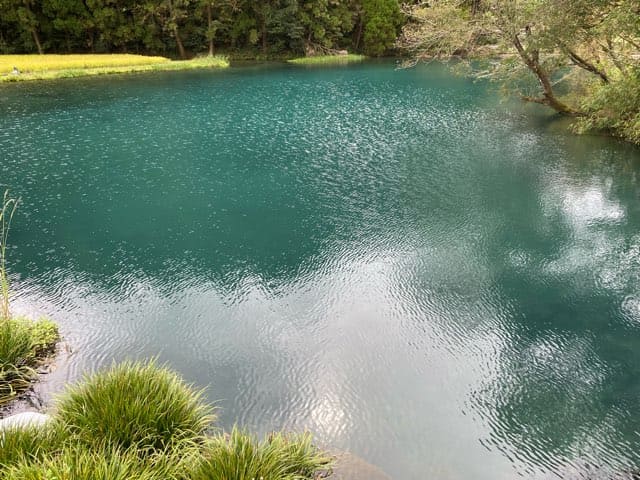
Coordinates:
240	456
137	421
23	345
29	444
135	405
80	463
328	59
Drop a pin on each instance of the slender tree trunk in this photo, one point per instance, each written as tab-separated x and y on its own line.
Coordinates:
264	36
475	7
36	39
181	50
90	42
359	33
548	96
209	23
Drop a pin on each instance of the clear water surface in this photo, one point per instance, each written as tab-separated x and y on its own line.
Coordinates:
444	285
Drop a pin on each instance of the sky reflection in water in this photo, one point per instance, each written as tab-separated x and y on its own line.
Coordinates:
387	258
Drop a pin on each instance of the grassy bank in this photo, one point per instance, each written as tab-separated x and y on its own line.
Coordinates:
328	59
14	68
140	421
24	344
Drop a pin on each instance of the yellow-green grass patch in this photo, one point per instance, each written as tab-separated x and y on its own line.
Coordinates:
328	59
41	67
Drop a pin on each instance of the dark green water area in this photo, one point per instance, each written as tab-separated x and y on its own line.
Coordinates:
445	285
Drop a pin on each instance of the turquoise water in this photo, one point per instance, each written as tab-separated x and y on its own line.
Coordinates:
442	284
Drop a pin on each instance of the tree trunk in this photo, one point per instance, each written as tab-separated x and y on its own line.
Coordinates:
209	23
359	33
36	39
586	65
475	7
548	96
264	36
181	51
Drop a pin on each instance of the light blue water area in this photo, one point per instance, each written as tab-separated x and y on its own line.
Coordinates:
444	285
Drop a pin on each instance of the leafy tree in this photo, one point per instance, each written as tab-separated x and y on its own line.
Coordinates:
326	23
571	55
382	19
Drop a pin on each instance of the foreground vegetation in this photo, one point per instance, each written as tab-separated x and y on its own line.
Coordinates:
328	59
579	57
38	67
23	343
139	421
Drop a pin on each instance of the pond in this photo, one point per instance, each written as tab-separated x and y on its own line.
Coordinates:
443	284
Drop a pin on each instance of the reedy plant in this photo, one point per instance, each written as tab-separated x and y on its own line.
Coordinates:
9	206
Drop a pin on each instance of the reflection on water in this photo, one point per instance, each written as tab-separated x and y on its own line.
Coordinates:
384	257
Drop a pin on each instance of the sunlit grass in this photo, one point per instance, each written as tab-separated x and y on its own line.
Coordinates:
328	59
42	67
23	345
241	456
29	444
138	406
40	63
138	421
80	463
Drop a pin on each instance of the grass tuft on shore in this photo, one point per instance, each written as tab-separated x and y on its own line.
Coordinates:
138	421
328	59
135	405
23	345
80	463
46	67
240	456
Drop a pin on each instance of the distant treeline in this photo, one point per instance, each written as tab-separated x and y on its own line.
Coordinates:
183	28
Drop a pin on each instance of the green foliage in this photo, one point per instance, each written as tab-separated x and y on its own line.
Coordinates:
27	445
240	456
137	421
615	108
80	463
580	57
135	405
44	336
382	21
23	344
184	28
